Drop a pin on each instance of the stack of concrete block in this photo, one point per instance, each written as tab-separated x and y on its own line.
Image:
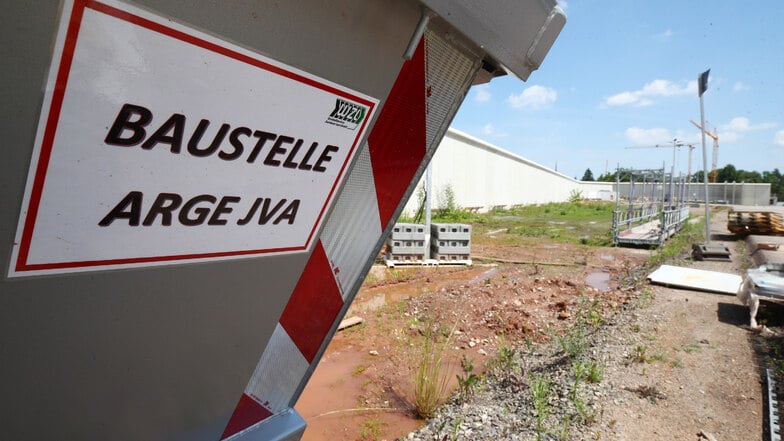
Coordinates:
450	242
407	243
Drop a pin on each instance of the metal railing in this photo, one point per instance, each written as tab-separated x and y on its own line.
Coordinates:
636	215
672	221
663	222
651	217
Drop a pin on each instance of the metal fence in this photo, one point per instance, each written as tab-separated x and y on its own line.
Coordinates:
733	193
652	209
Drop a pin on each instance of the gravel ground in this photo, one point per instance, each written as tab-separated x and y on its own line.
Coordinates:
503	406
676	364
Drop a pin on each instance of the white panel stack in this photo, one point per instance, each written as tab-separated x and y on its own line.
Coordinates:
450	242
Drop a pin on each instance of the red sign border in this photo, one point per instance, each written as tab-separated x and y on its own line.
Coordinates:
58	94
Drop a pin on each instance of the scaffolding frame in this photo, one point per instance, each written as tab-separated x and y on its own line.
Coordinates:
654	215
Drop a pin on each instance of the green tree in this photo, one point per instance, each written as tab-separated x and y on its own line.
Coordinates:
749	176
588	175
728	173
606	177
776	181
612	177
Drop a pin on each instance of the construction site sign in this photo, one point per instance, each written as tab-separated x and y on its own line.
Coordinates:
160	144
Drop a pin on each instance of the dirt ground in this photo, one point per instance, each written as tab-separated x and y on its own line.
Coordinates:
698	377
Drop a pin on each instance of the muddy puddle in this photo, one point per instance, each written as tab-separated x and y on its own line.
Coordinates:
392	291
484	276
332	403
598	280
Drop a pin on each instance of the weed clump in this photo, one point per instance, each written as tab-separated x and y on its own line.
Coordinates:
540	393
430	376
468	382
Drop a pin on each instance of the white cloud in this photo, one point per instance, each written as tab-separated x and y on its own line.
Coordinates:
742	124
533	98
490	130
664	36
644	137
622	99
778	139
725	137
734	130
740	87
482	94
656	88
668	88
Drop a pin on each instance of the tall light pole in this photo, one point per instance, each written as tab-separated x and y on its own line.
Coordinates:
702	84
700	252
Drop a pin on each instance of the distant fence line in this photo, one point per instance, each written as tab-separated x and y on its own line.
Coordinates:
735	193
480	176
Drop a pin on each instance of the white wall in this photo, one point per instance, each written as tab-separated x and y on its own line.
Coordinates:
483	176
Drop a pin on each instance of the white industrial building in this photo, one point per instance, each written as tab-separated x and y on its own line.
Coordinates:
482	176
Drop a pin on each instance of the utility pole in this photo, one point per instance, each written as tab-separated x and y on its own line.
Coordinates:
703	86
706	250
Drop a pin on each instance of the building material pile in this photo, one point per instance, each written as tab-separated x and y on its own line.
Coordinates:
755	222
450	242
406	244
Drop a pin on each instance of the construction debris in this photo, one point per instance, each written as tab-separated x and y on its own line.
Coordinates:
707	251
755	222
696	279
763	283
349	322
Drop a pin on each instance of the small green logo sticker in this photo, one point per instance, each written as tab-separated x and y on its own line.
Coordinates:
346	114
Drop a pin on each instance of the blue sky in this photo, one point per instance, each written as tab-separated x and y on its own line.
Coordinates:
624	73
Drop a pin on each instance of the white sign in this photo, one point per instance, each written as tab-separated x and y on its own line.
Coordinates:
161	144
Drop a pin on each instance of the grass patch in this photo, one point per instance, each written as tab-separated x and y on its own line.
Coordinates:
639	354
645	297
430	376
574	343
589	312
691	347
594	372
540	393
358	370
371	429
504	362
678	245
580	222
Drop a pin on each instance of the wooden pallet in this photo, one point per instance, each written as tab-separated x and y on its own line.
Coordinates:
755	222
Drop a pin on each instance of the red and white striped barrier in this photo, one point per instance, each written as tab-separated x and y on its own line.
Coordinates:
422	102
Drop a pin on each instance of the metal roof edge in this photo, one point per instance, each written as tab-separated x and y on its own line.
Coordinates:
515	34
